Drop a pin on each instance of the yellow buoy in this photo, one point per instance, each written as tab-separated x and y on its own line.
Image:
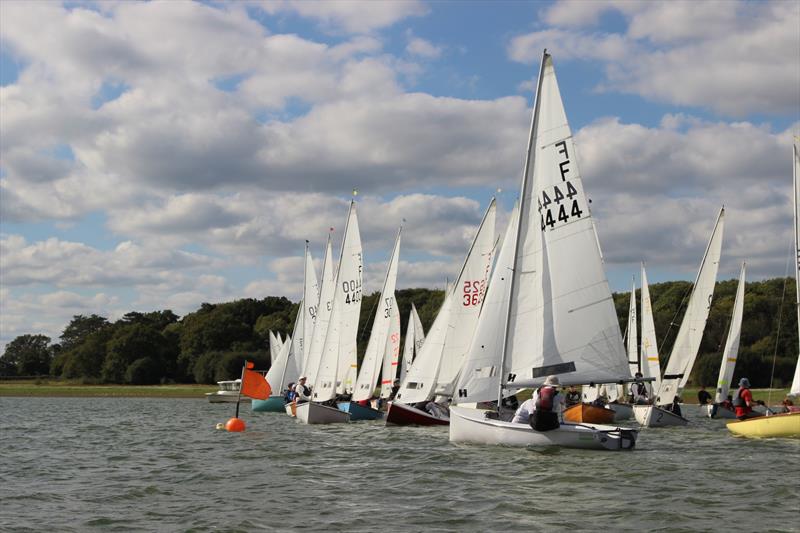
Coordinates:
220	426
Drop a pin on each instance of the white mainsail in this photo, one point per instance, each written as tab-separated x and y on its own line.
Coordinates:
731	350
480	377
415	337
795	388
633	334
336	369
562	318
421	377
374	354
391	353
650	365
274	348
308	310
322	317
284	369
468	293
687	343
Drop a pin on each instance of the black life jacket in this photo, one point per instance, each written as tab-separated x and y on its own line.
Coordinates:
739	401
545	400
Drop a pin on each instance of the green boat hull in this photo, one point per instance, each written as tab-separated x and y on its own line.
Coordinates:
273	404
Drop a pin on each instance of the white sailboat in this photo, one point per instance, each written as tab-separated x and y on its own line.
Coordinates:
560	317
340	338
729	355
434	372
687	343
415	337
382	339
322	316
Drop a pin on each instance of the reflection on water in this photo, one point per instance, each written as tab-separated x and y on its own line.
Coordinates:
75	464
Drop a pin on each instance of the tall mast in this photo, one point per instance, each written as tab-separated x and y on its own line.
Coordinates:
525	177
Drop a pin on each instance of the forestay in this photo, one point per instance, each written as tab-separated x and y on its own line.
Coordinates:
687	343
480	378
562	318
731	350
376	346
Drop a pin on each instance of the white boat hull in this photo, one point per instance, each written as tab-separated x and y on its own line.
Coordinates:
226	397
705	410
651	416
473	426
315	413
622	411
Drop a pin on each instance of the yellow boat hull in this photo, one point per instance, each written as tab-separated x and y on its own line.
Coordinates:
780	425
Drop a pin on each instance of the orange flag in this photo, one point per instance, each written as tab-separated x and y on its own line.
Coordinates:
254	384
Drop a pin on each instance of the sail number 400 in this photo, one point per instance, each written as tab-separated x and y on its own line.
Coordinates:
473	292
352	291
559	206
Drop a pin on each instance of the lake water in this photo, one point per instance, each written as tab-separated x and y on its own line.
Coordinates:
120	464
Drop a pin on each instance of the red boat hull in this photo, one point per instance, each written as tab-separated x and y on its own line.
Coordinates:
404	415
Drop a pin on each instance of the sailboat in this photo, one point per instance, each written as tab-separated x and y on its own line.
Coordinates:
687	343
330	376
783	424
433	374
288	364
383	344
556	313
729	354
415	337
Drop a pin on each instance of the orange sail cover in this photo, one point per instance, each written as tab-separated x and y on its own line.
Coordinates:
253	384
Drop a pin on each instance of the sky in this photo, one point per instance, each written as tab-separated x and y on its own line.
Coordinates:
158	155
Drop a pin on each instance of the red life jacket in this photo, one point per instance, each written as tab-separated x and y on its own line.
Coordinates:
545	400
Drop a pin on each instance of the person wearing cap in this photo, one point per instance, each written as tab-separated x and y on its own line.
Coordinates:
638	391
302	392
744	401
544	409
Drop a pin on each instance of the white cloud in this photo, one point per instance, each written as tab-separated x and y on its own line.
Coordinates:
353	16
421	47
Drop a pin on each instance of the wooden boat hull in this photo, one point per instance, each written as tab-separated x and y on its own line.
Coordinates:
359	412
315	413
401	414
651	416
473	426
705	410
780	425
273	404
583	412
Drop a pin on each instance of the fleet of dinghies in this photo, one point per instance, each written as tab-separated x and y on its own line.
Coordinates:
537	304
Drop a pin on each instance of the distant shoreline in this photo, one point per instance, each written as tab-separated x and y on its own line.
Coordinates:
53	389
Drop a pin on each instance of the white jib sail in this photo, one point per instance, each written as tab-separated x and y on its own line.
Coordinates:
374	354
795	388
419	332
274	348
349	289
421	378
322	318
308	310
731	350
408	346
650	365
479	380
633	334
468	293
284	369
325	387
562	318
391	353
687	343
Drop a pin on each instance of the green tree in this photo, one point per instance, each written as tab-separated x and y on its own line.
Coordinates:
29	354
79	328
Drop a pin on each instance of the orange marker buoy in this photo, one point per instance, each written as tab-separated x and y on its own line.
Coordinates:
235	424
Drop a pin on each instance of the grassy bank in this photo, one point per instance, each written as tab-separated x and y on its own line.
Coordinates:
75	389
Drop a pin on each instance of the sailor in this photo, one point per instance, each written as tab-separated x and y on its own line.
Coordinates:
543	410
573	396
302	393
395	388
290	394
744	401
703	397
639	391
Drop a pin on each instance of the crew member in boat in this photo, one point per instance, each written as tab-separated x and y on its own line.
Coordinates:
544	410
638	391
290	394
789	406
744	401
703	397
573	396
727	403
675	407
395	388
302	392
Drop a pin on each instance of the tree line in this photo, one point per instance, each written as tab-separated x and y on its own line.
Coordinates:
211	343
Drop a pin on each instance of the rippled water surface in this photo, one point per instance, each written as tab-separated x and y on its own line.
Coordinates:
119	464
